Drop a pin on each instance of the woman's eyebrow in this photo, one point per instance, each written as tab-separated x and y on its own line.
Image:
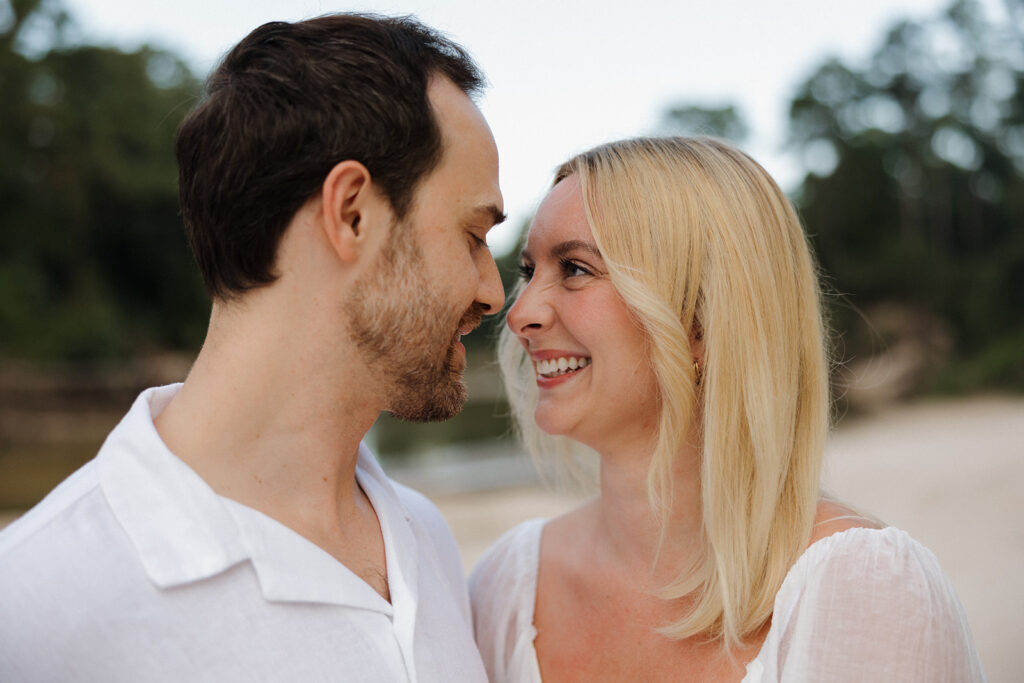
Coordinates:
563	248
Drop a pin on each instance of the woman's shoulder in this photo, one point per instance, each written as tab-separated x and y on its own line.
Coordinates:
504	573
851	546
861	556
503	588
860	553
508	554
872	600
833	517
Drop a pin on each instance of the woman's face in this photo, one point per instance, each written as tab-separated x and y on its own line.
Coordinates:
589	352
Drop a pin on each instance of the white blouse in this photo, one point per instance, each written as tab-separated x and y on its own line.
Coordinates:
860	605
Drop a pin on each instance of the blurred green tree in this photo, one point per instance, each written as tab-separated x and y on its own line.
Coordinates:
93	259
724	122
915	192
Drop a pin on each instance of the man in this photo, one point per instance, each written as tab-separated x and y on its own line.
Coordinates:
337	185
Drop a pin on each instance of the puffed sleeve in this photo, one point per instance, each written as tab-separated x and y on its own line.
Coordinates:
871	605
503	588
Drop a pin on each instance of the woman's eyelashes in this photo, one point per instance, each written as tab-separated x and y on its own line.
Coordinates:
573	269
567	268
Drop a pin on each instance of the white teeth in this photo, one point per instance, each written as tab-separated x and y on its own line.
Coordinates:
560	366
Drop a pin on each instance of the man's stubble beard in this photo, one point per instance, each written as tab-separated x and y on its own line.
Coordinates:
405	330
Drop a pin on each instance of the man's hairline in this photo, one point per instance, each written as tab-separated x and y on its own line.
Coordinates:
436	75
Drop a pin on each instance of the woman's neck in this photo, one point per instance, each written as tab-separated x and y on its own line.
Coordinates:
635	538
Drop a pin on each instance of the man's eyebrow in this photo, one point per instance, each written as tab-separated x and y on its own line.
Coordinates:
563	248
491	212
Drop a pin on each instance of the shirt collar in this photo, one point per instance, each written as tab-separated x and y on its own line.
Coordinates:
179	526
400	545
183	531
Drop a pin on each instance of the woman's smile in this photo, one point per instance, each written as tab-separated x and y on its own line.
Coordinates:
589	357
559	367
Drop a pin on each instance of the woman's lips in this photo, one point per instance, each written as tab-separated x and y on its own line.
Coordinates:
558	369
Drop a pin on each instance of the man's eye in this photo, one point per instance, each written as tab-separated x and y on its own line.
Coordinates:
525	271
478	241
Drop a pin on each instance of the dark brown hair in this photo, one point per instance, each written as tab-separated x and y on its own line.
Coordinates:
287	104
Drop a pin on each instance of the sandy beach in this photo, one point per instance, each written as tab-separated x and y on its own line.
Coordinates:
948	472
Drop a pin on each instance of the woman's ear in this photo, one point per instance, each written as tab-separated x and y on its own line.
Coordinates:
347	196
697	341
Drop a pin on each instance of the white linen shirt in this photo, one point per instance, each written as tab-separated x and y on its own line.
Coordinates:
860	605
134	569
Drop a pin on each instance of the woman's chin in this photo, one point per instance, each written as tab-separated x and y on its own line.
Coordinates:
549	429
549	423
553	423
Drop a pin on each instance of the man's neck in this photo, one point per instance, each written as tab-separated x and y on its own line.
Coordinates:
267	420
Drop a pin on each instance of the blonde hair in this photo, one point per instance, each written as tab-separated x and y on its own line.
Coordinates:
699	240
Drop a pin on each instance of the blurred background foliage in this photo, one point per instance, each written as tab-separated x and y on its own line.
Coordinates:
93	260
916	195
913	197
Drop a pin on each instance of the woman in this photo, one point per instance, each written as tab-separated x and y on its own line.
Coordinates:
669	319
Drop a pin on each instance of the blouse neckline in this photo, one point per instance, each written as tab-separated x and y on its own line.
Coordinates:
810	557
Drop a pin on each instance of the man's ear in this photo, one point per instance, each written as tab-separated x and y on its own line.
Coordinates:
347	198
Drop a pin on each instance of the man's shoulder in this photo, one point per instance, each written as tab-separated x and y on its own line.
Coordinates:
437	548
423	512
417	508
70	536
44	522
436	537
65	551
81	500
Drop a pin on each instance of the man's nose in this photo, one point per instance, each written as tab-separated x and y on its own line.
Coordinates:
491	293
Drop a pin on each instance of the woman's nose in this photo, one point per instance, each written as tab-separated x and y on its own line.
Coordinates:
530	313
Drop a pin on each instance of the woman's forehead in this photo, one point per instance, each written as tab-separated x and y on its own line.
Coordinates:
561	217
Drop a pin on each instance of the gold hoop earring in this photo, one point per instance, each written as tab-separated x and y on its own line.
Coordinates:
696	373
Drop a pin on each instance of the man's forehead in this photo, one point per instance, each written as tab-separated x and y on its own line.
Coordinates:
469	156
457	115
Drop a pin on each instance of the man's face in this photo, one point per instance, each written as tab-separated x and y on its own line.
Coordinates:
435	278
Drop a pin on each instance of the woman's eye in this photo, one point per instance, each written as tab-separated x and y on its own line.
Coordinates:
525	271
573	269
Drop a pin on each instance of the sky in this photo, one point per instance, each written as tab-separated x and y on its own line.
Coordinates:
565	76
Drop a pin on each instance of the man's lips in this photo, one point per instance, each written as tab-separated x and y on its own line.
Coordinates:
469	322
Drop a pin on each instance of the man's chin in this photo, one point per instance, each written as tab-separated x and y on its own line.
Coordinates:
442	403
